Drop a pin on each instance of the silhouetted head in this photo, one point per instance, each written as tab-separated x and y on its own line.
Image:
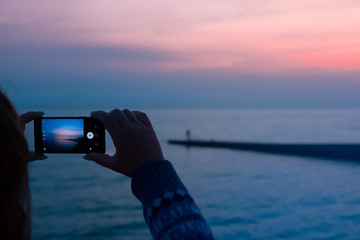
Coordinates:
14	187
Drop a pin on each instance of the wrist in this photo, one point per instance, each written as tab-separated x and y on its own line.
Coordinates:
152	179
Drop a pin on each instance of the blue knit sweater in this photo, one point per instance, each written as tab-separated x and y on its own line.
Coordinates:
169	210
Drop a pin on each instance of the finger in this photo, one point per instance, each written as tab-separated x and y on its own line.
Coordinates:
33	156
130	115
29	116
143	118
109	123
104	160
120	117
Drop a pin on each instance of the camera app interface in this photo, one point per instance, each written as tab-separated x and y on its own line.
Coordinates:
63	135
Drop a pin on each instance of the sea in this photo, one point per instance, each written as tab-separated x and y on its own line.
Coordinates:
242	194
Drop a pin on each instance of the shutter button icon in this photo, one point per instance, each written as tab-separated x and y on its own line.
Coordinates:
90	135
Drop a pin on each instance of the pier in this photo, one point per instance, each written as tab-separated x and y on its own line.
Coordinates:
316	150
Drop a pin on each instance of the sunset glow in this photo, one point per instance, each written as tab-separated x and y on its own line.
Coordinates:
246	36
204	53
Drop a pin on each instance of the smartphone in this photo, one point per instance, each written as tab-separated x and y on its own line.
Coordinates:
69	135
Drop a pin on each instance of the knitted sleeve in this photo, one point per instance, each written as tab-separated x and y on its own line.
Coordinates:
169	210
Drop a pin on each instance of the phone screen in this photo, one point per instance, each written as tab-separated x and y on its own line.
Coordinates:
69	135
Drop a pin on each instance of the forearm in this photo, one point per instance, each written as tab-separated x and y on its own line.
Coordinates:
169	210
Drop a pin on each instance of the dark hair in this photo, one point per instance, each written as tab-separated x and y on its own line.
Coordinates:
14	185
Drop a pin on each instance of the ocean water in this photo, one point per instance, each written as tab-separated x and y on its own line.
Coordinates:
242	194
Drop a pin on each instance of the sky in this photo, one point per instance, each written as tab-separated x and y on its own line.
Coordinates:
204	53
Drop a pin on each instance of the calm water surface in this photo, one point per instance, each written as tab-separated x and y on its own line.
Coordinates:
243	195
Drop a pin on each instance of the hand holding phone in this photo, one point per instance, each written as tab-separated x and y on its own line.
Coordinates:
134	139
69	135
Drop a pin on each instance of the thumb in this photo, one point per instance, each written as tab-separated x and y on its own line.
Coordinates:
33	156
102	159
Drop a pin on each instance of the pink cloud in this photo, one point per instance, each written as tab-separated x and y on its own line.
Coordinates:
244	36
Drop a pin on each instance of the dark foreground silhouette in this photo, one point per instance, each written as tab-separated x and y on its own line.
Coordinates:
329	151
